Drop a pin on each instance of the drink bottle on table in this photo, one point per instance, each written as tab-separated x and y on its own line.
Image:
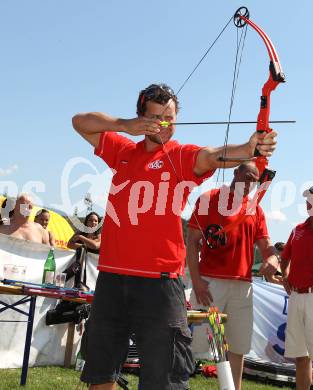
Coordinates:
49	267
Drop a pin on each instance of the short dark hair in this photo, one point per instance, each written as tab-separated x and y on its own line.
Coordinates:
40	212
279	246
158	93
246	165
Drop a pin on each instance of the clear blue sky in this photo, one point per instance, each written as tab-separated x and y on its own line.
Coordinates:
63	57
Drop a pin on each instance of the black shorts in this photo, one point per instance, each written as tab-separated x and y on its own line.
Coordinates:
153	309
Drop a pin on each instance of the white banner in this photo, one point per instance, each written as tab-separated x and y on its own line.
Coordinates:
270	316
48	343
25	260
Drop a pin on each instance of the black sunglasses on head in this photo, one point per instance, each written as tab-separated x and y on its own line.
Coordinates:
155	90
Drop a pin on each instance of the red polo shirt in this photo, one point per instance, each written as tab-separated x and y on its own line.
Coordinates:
142	230
235	259
299	250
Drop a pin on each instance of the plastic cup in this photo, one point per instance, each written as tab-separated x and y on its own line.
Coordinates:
60	279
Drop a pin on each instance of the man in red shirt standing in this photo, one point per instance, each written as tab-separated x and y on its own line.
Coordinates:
223	275
139	288
297	270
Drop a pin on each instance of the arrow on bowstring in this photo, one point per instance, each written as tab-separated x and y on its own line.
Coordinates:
166	124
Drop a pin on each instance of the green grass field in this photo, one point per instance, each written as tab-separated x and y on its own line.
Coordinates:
57	378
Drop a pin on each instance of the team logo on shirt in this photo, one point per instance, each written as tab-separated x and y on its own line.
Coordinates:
157	164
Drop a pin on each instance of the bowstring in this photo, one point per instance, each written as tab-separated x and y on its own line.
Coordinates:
176	94
238	58
203	57
240	42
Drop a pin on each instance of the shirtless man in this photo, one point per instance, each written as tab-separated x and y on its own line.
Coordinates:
19	225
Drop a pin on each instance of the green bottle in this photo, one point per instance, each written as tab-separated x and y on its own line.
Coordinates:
49	269
79	364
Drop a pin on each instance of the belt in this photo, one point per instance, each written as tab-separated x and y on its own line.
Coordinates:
168	275
302	290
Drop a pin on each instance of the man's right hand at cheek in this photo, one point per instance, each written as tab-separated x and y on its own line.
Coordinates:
140	126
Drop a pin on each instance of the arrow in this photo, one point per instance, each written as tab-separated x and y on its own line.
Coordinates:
166	124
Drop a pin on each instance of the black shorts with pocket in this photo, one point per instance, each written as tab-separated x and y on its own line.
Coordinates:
153	309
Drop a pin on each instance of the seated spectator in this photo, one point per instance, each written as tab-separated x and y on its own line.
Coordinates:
19	225
92	239
43	217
